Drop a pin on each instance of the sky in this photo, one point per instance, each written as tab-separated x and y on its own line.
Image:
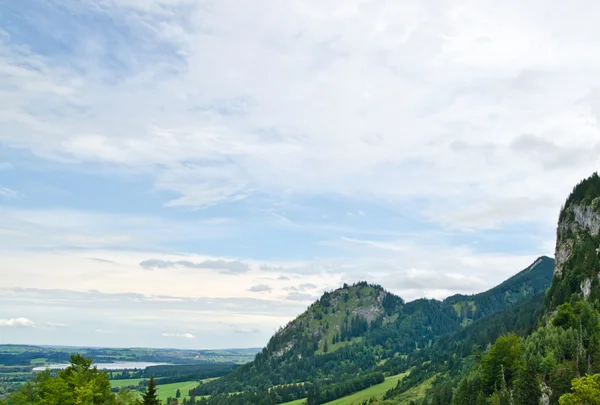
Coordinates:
194	173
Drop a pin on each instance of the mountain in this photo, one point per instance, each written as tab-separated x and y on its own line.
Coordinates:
534	339
360	331
554	363
530	281
578	245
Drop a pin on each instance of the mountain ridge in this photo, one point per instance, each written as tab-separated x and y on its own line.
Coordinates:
363	328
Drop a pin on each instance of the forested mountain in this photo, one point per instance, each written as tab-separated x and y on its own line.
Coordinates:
558	362
533	339
363	330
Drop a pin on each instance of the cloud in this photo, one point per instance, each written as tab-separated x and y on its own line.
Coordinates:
102	331
180	335
5	166
552	155
296	296
232	134
223	266
101	260
8	193
301	287
398	247
281	278
55	325
16	323
246	331
260	288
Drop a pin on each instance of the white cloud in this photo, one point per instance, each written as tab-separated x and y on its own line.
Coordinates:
8	193
465	116
16	323
223	266
180	335
5	166
365	103
246	331
260	288
55	325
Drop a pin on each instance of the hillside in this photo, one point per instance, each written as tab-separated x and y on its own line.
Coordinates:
577	245
535	278
362	330
549	365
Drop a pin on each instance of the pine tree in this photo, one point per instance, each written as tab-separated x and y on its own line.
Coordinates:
178	394
527	386
150	397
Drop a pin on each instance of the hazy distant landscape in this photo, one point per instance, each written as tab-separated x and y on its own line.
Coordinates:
126	367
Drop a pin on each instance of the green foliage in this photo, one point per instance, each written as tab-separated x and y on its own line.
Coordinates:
126	397
427	335
586	391
502	363
527	386
585	192
78	384
565	317
150	397
469	390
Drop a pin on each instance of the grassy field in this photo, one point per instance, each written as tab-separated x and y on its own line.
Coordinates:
169	390
125	383
296	402
164	390
415	393
357	398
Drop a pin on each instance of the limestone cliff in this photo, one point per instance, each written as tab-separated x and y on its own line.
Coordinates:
577	266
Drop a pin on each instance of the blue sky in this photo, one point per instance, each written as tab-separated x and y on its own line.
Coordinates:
179	173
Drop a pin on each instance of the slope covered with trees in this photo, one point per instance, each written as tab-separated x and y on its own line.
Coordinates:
354	333
558	362
534	337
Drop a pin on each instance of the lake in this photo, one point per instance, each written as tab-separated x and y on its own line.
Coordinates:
123	365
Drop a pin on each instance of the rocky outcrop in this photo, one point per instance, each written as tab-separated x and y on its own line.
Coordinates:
577	264
564	249
586	287
546	394
577	219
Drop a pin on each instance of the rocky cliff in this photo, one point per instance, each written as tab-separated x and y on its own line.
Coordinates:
577	266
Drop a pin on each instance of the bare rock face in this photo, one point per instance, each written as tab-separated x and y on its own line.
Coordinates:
577	256
578	219
564	249
546	393
586	288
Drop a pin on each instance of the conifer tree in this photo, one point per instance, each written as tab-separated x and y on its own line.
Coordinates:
150	397
527	386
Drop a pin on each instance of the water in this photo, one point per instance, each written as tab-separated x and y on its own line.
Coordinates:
123	365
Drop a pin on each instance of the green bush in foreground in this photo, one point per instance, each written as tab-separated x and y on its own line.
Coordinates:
78	384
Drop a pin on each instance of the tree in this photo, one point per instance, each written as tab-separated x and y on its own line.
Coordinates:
527	386
586	391
126	397
564	318
502	362
78	384
178	394
150	397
